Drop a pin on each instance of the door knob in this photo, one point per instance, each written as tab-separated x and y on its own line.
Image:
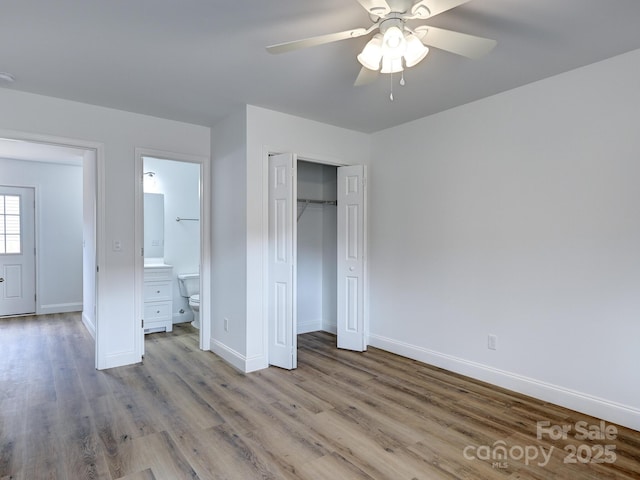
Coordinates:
1	280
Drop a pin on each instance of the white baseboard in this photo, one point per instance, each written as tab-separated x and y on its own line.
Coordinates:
330	327
253	364
237	360
306	327
60	308
89	325
581	402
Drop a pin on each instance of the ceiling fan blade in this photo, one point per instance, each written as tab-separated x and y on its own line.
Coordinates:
365	77
378	8
430	8
463	44
313	41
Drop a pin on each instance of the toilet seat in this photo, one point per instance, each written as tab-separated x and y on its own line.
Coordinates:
194	299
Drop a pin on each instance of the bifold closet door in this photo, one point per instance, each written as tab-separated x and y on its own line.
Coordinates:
282	257
351	257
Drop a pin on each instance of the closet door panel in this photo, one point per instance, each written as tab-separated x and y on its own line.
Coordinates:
351	259
282	245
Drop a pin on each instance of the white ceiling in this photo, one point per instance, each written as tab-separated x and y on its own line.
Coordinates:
198	60
40	152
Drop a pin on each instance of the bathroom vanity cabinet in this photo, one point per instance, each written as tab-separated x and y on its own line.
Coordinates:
158	298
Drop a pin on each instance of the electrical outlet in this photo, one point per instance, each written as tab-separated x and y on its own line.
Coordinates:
226	324
492	342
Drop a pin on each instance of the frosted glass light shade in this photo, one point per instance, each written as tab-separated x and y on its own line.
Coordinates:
415	52
371	54
391	65
393	43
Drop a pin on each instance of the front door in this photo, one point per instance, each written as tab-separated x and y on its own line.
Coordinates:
17	251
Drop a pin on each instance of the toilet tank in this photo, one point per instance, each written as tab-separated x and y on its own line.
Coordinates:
189	284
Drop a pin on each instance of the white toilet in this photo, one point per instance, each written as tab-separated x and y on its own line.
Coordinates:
189	284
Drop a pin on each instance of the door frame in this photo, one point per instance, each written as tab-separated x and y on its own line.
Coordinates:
205	238
268	150
96	196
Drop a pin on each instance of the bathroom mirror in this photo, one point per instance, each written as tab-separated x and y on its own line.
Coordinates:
153	225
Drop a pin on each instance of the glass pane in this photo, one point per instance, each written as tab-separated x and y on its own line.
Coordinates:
2	224
13	224
1	204
2	250
13	244
12	205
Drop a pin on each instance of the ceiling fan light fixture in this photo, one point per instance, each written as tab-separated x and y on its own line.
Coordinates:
371	54
415	52
391	64
393	42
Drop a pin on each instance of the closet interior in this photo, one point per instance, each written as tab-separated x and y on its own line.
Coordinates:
317	247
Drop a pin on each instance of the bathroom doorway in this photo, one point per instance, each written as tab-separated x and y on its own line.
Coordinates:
171	243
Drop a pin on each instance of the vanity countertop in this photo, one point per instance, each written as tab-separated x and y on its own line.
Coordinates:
155	263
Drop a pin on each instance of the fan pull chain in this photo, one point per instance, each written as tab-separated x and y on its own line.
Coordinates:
402	84
391	86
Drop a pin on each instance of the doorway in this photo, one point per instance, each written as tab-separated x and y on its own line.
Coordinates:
170	235
316	251
58	228
298	292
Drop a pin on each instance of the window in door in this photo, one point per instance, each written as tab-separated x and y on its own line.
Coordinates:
10	241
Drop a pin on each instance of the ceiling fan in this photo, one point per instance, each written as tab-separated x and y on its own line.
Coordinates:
396	46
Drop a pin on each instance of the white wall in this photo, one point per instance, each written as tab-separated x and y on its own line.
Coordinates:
59	230
229	238
518	215
309	270
277	132
179	182
119	133
239	157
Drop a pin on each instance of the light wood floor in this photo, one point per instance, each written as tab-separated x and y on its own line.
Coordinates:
185	414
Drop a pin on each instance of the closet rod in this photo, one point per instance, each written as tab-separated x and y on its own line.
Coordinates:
321	202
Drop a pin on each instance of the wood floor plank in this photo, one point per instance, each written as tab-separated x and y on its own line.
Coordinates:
332	467
222	452
183	413
161	455
43	453
376	456
116	428
13	441
144	475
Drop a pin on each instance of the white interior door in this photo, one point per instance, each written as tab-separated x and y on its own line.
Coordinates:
351	257
17	251
282	257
